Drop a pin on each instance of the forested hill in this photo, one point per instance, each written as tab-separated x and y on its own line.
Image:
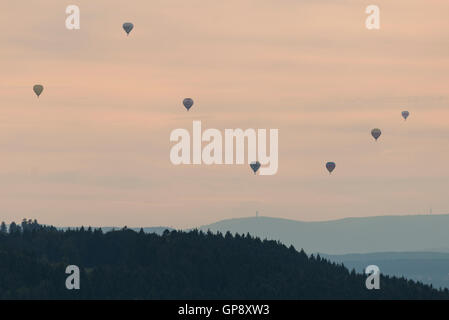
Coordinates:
177	265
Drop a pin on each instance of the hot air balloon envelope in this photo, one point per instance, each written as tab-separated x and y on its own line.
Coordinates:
38	88
330	166
376	133
188	103
405	114
255	165
128	26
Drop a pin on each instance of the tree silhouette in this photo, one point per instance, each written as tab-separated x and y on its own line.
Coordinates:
125	264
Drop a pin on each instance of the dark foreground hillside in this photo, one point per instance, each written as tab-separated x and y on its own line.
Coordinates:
133	265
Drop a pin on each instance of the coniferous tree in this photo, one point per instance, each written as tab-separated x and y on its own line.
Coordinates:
13	227
3	228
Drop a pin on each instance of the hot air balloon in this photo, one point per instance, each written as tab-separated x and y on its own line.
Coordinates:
330	166
128	26
405	114
376	133
188	103
38	88
255	165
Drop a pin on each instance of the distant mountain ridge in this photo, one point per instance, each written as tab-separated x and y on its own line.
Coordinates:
427	267
349	235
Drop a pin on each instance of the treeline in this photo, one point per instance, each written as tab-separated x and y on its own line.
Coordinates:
125	264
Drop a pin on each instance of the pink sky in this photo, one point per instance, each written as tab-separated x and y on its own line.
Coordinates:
94	148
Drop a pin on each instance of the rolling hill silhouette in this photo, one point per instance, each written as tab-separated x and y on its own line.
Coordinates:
126	264
350	235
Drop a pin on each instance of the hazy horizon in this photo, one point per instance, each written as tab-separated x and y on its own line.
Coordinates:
237	218
94	148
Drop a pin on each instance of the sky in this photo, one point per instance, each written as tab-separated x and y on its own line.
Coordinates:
94	148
